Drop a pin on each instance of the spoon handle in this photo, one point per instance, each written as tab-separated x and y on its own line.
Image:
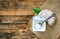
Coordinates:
49	17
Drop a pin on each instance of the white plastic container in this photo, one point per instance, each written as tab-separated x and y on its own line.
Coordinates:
36	26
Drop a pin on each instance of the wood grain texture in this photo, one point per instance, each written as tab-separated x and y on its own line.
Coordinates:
22	8
16	7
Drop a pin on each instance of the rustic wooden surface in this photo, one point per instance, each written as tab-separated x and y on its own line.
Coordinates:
23	7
